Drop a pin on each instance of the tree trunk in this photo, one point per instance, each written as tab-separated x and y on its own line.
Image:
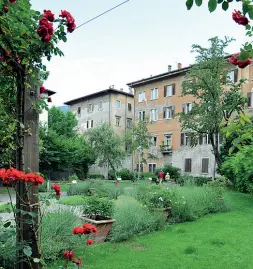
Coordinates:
214	138
26	160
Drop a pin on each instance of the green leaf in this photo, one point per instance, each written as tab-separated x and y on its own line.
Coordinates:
189	4
57	197
47	203
64	38
28	251
7	224
250	12
245	8
225	6
198	2
220	1
212	5
22	125
36	260
32	214
244	56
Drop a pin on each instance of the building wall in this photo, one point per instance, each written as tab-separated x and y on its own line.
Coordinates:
172	126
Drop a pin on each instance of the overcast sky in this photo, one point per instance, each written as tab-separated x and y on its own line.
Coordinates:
138	39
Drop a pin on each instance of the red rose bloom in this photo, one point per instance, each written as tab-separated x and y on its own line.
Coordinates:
71	27
49	15
45	30
79	262
35	179
239	18
70	20
88	228
42	89
11	176
57	189
236	61
68	255
5	8
78	230
89	242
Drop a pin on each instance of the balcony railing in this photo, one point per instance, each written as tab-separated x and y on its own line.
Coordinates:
166	149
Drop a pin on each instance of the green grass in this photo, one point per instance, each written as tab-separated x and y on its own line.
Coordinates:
3	190
221	240
5	208
72	200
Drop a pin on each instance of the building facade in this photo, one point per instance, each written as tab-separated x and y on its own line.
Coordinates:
115	107
159	98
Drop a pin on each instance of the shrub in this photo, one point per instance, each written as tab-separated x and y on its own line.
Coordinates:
219	184
81	188
111	175
134	219
96	176
189	203
147	175
125	174
5	208
72	200
96	206
191	180
173	171
102	189
43	187
73	177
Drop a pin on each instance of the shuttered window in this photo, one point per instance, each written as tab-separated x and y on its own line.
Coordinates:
169	90
168	112
188	165
205	165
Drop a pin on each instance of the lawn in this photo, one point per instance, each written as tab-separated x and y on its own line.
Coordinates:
222	240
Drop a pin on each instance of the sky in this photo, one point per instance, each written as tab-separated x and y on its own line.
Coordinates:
137	40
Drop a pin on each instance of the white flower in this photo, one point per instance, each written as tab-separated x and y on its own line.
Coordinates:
74	181
161	199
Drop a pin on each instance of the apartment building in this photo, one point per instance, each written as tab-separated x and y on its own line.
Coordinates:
115	107
159	98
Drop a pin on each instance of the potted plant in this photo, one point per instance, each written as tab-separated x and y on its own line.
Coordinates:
98	211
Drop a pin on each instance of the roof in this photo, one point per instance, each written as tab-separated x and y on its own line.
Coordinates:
96	94
159	77
49	92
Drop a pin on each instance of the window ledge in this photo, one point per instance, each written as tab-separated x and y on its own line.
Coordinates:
154	99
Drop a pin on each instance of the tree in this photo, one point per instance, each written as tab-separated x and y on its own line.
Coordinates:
216	97
62	147
241	59
107	146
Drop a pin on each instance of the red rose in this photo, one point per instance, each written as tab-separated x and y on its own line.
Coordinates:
244	64
79	262
45	30
49	99
43	21
49	15
239	18
89	242
42	31
35	179
88	228
46	38
70	20
78	230
68	255
5	8
236	61
42	89
71	27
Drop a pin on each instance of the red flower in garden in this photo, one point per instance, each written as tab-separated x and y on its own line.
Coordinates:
239	18
49	15
42	89
78	230
236	61
71	26
57	189
88	228
11	175
45	30
79	262
49	99
5	8
69	255
89	242
35	179
12	1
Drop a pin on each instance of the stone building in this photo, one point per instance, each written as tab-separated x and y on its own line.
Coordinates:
159	98
115	107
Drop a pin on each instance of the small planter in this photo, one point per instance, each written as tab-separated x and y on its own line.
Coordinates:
166	211
103	225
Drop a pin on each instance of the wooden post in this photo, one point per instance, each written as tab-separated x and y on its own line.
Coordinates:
28	161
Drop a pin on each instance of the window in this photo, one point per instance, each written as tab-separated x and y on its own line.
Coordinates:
188	165
89	124
141	115
205	165
154	94
153	141
250	98
154	114
129	123
118	104
79	111
185	139
152	167
169	90
168	112
90	108
142	96
233	75
129	105
187	107
100	105
118	121
168	140
141	168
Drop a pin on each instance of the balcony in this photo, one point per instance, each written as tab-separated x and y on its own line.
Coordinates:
166	149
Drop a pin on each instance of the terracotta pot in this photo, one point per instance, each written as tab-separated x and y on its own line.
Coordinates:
166	211
103	225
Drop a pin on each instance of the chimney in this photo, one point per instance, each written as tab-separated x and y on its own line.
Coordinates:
179	65
169	68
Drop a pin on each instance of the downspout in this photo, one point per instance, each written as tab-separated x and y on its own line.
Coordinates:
134	123
109	108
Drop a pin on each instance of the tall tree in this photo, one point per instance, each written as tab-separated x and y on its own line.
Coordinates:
107	145
217	98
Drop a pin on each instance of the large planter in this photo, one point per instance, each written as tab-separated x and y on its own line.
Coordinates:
166	211
103	225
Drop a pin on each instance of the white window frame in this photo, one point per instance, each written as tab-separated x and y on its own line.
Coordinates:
142	96
169	90
90	108
129	122
117	121
169	112
153	141
141	115
100	105
154	94
118	104
187	107
90	124
154	166
154	114
166	140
